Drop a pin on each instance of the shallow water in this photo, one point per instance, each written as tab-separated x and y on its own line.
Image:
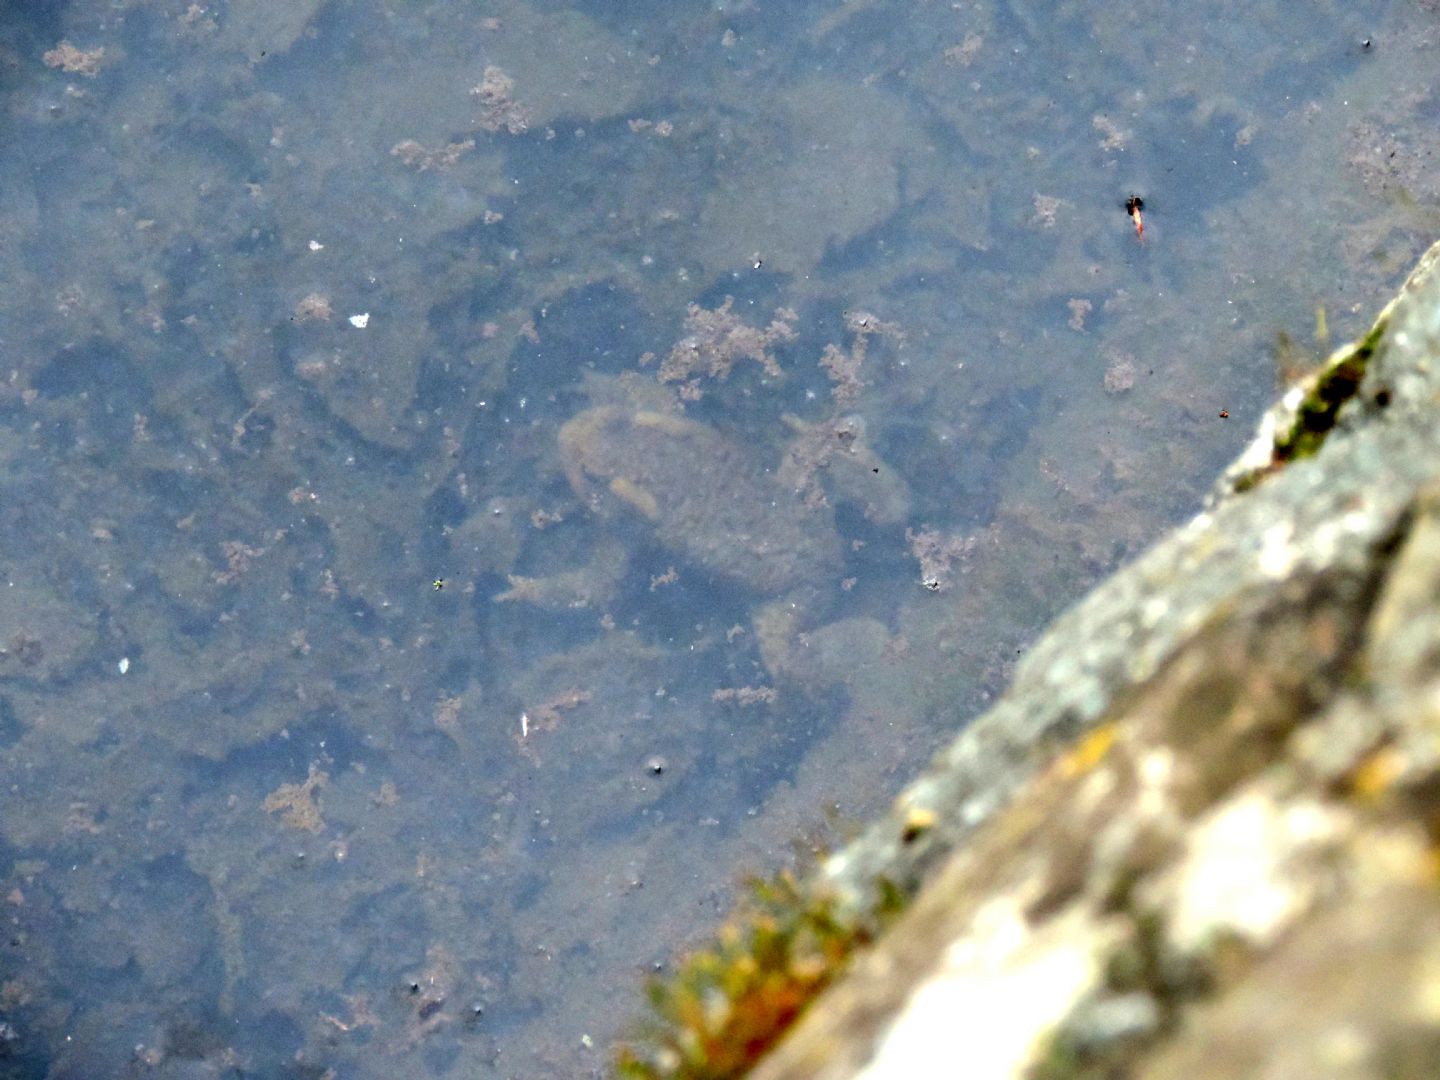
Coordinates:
353	721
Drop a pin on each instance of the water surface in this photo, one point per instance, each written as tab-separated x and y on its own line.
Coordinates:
479	478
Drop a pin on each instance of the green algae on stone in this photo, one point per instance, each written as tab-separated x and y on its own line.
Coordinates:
1332	387
1297	426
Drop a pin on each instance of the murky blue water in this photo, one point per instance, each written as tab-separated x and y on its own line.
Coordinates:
479	478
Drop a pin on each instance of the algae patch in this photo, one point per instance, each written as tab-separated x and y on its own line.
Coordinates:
727	1004
1332	387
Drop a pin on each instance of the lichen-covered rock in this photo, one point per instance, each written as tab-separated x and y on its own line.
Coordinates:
1196	838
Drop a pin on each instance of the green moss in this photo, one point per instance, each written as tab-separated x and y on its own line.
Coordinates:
1246	481
726	1005
1320	408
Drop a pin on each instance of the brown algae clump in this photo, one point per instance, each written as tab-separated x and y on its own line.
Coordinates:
726	1005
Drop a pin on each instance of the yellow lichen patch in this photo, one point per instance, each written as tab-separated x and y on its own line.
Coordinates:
1087	753
1376	774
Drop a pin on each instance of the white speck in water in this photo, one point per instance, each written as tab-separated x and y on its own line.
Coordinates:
124	665
360	321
